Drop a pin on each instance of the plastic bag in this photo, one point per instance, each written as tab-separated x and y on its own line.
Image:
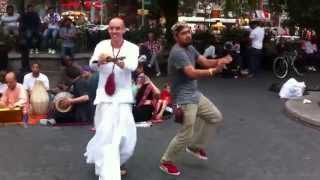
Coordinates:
292	89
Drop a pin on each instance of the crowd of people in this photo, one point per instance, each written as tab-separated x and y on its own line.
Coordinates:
34	29
115	95
114	92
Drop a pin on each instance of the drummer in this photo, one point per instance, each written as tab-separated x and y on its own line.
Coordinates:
81	109
30	78
15	95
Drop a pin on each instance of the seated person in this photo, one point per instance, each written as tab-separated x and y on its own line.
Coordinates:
30	78
10	21
144	105
81	109
155	47
233	48
210	51
281	46
67	33
86	72
3	85
15	95
161	105
93	85
311	56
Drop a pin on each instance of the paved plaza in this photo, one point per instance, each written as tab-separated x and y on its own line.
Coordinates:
256	142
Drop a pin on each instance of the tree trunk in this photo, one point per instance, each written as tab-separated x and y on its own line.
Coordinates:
170	11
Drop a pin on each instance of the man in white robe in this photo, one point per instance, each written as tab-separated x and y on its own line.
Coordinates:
115	138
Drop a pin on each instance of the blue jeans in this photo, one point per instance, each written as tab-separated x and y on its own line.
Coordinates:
50	36
31	34
255	58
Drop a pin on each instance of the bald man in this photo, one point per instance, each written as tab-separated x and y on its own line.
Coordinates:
115	138
15	95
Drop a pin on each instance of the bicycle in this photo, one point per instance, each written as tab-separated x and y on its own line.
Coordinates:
285	63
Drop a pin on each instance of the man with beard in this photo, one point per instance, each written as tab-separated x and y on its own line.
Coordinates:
196	107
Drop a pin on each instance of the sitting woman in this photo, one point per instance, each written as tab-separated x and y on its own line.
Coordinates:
145	97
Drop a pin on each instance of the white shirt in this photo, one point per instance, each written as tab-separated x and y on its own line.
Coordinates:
10	21
210	51
123	79
257	36
3	87
52	20
29	80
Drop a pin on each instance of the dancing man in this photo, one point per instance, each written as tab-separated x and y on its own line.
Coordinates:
196	107
115	137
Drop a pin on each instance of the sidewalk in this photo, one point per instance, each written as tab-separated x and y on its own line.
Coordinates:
308	113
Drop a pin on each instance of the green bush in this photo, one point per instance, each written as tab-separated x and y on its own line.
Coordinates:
232	34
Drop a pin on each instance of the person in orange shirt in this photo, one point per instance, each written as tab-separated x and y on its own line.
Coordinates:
15	95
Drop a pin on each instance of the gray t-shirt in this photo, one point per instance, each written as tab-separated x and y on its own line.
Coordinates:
184	90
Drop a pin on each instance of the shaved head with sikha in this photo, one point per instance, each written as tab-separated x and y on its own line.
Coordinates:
117	21
11	80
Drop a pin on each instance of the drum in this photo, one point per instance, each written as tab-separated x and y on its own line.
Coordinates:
10	115
39	99
58	101
215	13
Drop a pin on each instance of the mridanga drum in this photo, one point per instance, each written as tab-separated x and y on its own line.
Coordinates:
39	99
58	102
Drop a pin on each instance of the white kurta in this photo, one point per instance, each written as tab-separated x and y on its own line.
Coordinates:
115	137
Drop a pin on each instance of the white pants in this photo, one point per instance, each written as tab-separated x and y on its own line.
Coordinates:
114	141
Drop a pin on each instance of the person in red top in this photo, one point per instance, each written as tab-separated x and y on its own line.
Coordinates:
162	103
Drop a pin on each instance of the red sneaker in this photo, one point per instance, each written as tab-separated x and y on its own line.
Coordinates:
156	121
199	153
169	168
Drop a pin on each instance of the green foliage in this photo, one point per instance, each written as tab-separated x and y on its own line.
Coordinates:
305	13
232	34
170	11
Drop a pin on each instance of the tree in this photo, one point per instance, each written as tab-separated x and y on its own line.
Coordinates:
252	4
277	6
169	8
304	13
229	5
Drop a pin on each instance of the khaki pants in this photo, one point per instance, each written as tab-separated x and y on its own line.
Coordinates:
200	120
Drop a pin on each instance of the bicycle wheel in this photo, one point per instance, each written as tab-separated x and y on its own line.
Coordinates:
297	70
280	67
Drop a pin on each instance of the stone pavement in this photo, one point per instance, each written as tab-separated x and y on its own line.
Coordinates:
305	112
256	142
44	55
